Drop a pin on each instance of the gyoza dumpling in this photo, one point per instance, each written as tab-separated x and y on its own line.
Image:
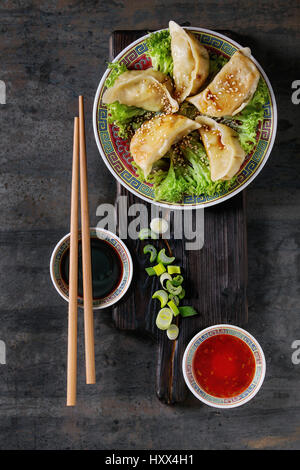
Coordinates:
147	89
156	136
231	89
191	62
223	148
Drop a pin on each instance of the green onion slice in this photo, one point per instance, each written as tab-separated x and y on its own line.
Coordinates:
175	299
165	277
152	250
164	318
174	270
187	311
173	307
162	296
159	225
182	294
147	233
163	258
150	271
159	269
177	280
172	331
173	289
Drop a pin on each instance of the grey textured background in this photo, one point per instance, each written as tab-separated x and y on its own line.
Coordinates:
50	53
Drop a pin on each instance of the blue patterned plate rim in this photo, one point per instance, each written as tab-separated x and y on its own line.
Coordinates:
259	375
189	202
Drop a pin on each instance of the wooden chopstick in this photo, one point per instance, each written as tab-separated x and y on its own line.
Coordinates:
86	256
73	274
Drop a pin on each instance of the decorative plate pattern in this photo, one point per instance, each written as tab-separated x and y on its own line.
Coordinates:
260	366
63	289
115	151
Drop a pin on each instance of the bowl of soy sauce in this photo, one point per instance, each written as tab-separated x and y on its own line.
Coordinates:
112	268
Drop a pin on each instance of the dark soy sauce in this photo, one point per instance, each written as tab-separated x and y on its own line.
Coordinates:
107	268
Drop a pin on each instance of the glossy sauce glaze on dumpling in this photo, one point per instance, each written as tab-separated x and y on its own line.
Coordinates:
231	89
147	89
223	148
156	136
190	62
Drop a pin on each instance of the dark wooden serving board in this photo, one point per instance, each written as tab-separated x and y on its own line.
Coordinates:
215	276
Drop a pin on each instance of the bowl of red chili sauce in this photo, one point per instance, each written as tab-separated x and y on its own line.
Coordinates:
224	366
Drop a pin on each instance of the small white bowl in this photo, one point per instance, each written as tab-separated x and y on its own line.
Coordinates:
260	366
63	289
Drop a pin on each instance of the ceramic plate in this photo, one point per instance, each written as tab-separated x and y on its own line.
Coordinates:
260	366
115	151
63	289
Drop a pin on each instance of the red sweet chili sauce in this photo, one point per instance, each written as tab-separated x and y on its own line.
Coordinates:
224	366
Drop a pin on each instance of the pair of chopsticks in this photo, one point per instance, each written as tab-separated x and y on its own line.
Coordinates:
79	160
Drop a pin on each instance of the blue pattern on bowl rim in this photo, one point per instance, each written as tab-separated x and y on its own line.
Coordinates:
115	151
260	366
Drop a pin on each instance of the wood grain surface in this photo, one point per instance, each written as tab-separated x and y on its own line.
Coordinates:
215	276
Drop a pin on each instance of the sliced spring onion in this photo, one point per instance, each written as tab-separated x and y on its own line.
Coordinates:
187	311
162	296
172	331
150	271
165	277
147	233
177	280
164	318
172	289
173	307
174	270
175	299
159	269
153	252
182	294
163	258
159	225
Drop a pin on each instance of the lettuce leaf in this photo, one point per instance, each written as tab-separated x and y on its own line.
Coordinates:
216	62
172	186
247	121
199	171
251	116
188	110
126	118
116	70
189	178
159	49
